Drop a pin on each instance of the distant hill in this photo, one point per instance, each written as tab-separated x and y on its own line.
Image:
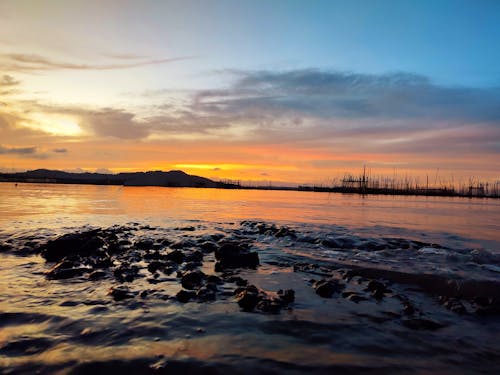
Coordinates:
151	178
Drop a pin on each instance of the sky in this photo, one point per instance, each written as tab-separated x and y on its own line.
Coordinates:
257	91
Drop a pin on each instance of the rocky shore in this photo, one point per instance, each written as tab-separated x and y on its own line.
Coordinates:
305	282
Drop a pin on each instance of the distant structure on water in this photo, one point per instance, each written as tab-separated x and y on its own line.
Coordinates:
365	184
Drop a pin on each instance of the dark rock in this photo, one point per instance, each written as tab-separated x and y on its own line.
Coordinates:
214	279
182	244
121	292
408	308
175	256
354	297
195	256
66	269
285	232
481	301
96	275
153	255
237	280
192	280
326	288
328	242
144	244
287	296
83	243
126	273
269	306
453	304
377	289
155	266
208	247
206	293
248	298
192	266
185	295
422	324
231	255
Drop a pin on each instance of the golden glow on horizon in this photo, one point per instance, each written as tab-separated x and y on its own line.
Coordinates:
215	167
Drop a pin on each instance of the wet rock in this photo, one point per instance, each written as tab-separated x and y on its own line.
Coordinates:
195	256
192	266
482	256
239	281
408	308
354	297
183	244
144	244
285	232
481	301
176	256
208	247
248	298
206	293
185	295
192	280
153	255
120	293
155	266
126	273
422	324
331	243
214	279
377	289
230	255
287	296
327	287
251	298
5	247
453	304
65	270
83	243
97	275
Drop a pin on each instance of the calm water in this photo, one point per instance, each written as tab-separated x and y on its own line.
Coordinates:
469	222
75	325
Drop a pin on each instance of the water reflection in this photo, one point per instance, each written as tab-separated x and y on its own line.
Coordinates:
45	205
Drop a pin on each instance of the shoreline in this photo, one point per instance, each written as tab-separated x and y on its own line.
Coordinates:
224	186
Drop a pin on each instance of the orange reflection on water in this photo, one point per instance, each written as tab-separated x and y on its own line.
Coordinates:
47	205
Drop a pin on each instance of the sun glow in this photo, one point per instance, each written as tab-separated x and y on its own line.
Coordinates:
54	124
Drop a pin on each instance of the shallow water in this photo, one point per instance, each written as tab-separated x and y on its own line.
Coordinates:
73	325
469	222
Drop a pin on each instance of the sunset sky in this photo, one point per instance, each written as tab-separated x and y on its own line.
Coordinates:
281	91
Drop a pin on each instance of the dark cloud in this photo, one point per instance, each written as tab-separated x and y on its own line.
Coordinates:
7	85
18	150
60	150
7	80
115	123
349	95
26	63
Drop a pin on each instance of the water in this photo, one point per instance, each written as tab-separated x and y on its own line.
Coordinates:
471	222
75	325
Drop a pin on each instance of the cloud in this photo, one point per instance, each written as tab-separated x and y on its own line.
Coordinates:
32	62
7	81
18	150
60	150
111	122
350	95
